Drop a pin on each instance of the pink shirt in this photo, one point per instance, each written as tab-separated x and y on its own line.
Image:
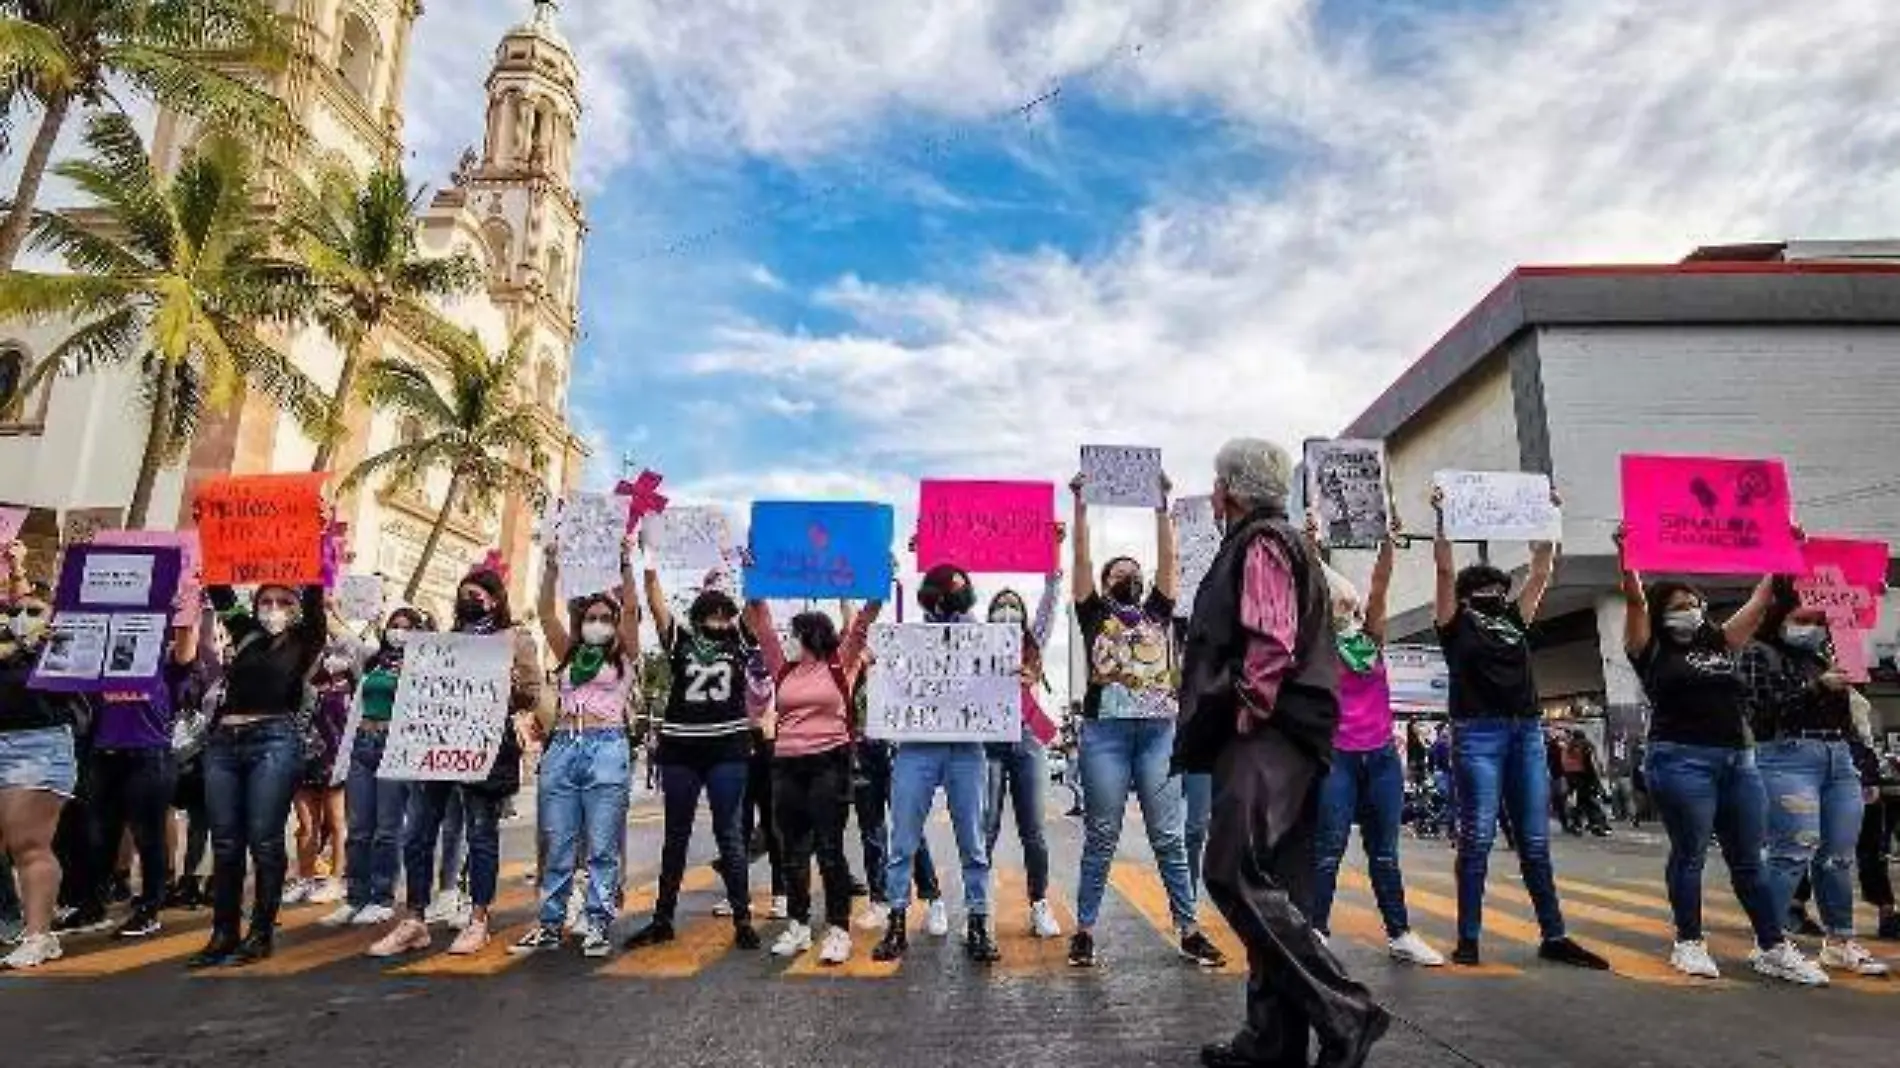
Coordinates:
813	715
1270	617
599	702
1365	710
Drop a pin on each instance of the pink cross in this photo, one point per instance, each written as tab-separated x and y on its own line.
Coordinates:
643	495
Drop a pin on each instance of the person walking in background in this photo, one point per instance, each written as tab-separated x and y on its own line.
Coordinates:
1583	773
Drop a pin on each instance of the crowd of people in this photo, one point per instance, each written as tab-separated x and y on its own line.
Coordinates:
1254	738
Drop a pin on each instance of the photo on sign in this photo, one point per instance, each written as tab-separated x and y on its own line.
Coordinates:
1346	484
1121	476
1482	506
75	646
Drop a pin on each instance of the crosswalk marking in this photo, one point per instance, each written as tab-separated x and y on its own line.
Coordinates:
702	939
1365	926
129	956
1023	953
1142	888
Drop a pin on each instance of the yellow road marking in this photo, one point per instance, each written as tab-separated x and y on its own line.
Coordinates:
1365	925
1023	952
702	939
860	965
1143	889
128	956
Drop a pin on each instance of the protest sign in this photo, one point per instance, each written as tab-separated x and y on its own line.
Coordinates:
1707	515
1498	506
642	496
1862	564
11	520
257	529
359	598
1121	476
79	526
190	591
1197	539
1345	483
1419	678
822	549
588	542
1850	655
687	538
451	708
958	682
987	527
109	619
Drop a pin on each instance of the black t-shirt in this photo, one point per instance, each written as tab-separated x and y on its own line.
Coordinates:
26	709
1133	662
1490	662
1695	696
706	721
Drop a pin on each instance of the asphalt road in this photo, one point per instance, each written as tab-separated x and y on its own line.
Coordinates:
319	1002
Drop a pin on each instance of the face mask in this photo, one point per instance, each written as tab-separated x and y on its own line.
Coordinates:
1804	635
1008	613
396	639
1488	604
1683	624
1350	625
335	665
597	632
470	610
275	621
1126	591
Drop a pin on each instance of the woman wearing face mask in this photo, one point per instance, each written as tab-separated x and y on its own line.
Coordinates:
37	767
481	607
587	766
1701	764
253	758
375	806
1797	702
1128	721
1366	781
1497	740
318	802
704	747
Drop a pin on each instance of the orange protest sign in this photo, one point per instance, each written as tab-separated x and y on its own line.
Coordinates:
258	529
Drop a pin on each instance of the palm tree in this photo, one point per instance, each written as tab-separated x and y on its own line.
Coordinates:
473	426
355	245
67	54
172	274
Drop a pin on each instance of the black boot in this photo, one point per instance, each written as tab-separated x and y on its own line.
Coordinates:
216	954
744	935
895	943
255	947
977	943
658	932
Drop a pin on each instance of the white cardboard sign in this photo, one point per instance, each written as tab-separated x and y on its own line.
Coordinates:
933	682
451	708
1498	506
1121	476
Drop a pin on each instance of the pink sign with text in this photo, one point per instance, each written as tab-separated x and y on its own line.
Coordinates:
1704	515
992	527
1861	565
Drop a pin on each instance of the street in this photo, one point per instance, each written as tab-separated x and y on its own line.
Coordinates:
319	1002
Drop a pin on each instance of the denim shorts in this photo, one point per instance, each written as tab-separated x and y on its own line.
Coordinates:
38	760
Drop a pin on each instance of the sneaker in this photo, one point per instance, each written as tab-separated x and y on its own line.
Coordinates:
745	936
256	946
795	940
977	943
781	907
1196	947
1565	951
12	931
296	891
143	923
409	936
217	953
537	939
1847	955
82	920
722	908
1082	950
1411	949
594	941
472	939
326	892
937	919
876	917
443	908
372	916
836	948
341	917
896	941
1465	955
1692	958
1042	921
1785	962
33	951
656	933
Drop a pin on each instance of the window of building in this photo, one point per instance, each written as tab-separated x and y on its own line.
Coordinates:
12	375
499	239
409	431
557	273
357	56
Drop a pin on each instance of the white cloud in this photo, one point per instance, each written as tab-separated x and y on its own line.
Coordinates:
779	404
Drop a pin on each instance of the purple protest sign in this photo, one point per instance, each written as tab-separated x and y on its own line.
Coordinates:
110	620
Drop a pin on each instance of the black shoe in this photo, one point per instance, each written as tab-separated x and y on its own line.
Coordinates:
745	936
858	889
1564	951
119	891
143	923
1799	922
1230	1055
1196	947
216	954
1889	929
1082	950
895	942
977	943
656	933
191	893
1467	953
1352	1052
91	917
255	947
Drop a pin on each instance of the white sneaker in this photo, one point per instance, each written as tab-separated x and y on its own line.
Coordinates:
1692	958
344	914
326	892
594	943
33	951
1786	963
372	916
1847	955
837	947
781	907
937	919
1412	949
722	908
876	917
795	940
296	891
443	908
1042	921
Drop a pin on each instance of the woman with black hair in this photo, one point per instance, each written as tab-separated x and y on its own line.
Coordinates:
1019	769
1700	768
319	801
1797	701
704	744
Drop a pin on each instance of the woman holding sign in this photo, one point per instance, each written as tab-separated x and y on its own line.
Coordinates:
1019	770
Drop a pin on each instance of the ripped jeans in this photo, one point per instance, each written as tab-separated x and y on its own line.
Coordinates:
1814	812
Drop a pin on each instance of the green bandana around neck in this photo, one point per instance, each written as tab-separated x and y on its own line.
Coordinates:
586	664
1359	652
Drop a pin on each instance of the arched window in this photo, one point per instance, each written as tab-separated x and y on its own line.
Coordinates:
409	431
357	56
12	374
500	240
547	382
557	272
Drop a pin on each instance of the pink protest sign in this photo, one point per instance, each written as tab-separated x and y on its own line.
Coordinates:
1861	564
1703	515
1850	655
185	604
987	526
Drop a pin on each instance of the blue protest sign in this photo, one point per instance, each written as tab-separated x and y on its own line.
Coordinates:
822	549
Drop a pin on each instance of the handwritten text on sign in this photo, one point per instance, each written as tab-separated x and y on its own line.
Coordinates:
987	527
1499	506
946	683
820	549
1707	515
1346	485
1198	541
695	538
1121	476
1861	563
451	708
259	529
591	528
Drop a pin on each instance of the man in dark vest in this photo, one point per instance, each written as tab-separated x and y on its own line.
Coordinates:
1259	705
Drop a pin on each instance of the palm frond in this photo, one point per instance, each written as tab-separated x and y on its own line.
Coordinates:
405	464
273	374
194	84
117	174
428	328
439	276
489	477
188	403
401	386
248	28
33	53
39	297
106	341
84	250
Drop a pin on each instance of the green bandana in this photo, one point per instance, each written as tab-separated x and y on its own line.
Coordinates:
1359	652
586	664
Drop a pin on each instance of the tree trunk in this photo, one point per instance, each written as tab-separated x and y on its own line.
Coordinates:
13	231
435	538
155	435
340	406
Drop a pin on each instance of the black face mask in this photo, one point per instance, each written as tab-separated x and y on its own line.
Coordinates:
1489	604
471	610
1126	591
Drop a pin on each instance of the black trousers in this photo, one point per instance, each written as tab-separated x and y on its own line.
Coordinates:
133	788
1259	873
757	814
82	882
811	800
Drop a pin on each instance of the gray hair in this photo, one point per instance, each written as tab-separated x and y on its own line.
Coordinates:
1255	472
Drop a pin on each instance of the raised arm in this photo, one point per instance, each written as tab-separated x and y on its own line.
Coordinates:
758	616
1380	585
1082	581
1045	616
185	633
313	623
1445	592
1543	566
656	604
1741	627
1167	562
1636	635
629	600
553	614
856	637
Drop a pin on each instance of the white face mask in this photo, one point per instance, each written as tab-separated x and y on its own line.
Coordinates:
336	665
1683	624
396	638
275	621
1804	635
597	632
1008	613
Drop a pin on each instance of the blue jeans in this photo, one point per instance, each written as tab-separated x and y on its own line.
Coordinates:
1368	789
583	790
1116	755
429	804
251	772
454	842
376	808
1501	761
871	798
1198	788
962	770
724	784
1019	770
1702	790
1814	814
